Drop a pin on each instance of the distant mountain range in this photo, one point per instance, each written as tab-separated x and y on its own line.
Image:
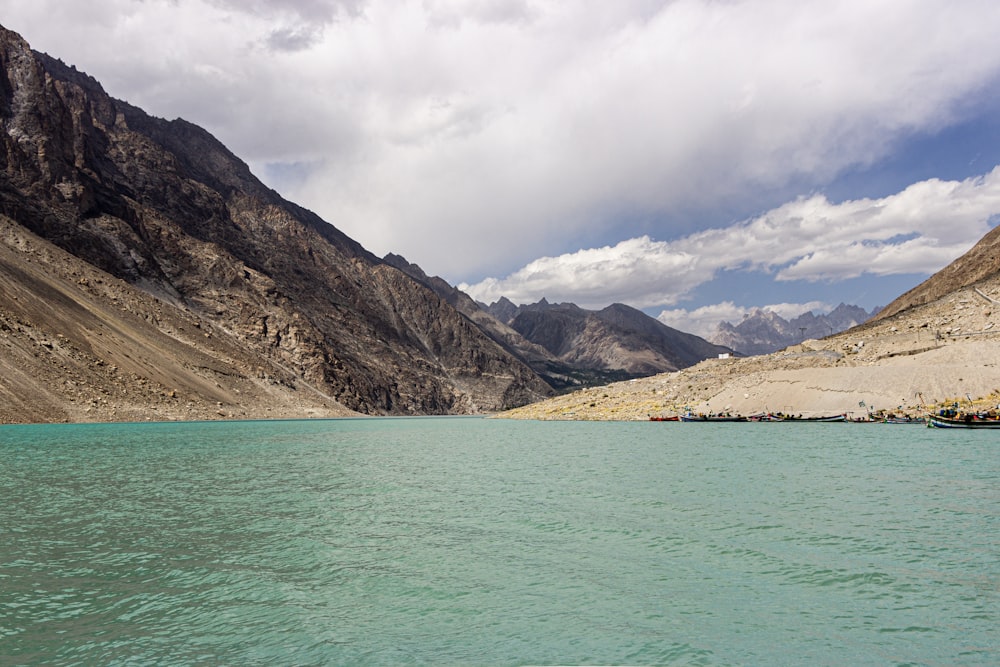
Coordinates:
763	331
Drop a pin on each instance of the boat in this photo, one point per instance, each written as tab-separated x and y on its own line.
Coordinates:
674	418
713	418
789	418
971	420
903	420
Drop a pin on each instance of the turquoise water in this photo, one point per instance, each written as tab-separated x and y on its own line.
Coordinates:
470	541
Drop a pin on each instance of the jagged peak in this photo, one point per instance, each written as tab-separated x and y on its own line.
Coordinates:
503	302
762	330
58	68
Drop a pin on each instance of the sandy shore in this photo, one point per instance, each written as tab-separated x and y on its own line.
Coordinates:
941	353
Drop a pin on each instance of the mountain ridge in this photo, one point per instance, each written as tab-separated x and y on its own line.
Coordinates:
617	337
762	331
166	208
593	348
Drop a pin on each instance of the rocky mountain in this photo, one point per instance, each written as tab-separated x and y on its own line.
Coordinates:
763	331
555	374
144	265
570	347
616	342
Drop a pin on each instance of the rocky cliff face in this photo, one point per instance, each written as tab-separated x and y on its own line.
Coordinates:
169	211
571	347
763	331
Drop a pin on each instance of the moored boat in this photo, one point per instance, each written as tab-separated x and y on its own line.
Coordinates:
790	418
713	418
971	420
903	420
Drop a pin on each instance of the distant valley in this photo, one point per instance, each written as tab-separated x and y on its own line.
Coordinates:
571	347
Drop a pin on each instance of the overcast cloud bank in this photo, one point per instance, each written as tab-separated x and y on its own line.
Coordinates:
478	136
475	136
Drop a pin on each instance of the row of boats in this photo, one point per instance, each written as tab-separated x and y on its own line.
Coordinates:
690	417
943	419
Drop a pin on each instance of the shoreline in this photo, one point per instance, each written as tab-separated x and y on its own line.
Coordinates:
814	378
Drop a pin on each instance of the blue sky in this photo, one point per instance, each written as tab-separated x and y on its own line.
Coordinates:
693	158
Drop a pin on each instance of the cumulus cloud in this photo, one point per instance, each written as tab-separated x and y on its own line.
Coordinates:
596	277
918	230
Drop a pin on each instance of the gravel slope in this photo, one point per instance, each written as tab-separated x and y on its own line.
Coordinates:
940	352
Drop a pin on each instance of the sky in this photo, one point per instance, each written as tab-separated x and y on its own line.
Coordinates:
692	158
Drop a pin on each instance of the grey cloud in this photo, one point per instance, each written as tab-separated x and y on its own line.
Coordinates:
453	13
293	39
310	11
536	127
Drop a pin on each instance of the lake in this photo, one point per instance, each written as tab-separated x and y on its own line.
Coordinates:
466	541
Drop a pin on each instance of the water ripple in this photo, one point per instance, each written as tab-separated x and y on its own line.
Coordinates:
466	541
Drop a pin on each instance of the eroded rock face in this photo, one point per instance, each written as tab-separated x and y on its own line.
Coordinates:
166	208
569	346
616	338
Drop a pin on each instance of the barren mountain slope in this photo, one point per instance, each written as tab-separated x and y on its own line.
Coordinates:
79	345
166	208
979	263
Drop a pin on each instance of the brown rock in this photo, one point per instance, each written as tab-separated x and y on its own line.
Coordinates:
154	250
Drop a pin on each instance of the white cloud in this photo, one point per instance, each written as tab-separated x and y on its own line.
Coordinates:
596	277
918	230
702	321
475	136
